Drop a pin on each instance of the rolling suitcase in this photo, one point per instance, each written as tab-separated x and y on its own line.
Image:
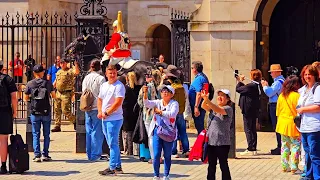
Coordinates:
18	154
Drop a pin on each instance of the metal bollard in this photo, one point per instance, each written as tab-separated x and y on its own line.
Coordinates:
81	133
81	129
232	152
29	137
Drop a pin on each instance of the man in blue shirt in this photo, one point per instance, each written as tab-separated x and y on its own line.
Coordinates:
273	93
196	86
53	70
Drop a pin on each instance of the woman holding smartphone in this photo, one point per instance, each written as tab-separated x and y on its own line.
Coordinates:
218	132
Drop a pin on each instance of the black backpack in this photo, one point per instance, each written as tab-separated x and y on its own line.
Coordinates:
40	104
4	96
211	91
211	88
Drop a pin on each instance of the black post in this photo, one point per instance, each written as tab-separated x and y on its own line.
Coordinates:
88	24
29	138
232	152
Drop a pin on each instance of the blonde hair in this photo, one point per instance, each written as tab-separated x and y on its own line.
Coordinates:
316	65
156	75
132	79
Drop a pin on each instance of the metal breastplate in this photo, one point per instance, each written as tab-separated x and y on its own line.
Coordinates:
124	42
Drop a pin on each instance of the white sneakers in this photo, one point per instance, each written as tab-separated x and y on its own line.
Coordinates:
249	153
158	178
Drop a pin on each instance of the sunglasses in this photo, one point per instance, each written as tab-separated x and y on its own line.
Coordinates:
165	91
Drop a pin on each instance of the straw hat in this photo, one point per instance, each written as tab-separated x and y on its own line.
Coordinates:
275	67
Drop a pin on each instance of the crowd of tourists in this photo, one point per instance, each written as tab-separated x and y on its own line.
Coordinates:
152	118
294	113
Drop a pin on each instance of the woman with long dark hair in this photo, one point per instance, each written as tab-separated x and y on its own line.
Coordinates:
286	112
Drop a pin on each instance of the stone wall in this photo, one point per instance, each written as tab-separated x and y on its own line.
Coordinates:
223	38
146	15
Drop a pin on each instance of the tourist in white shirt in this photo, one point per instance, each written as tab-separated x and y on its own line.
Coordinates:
168	109
110	111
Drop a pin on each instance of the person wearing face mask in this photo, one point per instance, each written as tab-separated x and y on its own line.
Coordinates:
166	110
218	133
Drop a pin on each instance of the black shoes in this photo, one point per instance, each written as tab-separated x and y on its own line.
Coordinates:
3	170
276	151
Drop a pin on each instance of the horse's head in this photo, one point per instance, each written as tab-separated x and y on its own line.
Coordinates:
76	47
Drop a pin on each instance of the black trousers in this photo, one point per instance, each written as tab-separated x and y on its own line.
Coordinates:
221	153
251	131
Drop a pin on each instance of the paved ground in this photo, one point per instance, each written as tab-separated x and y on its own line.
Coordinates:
67	164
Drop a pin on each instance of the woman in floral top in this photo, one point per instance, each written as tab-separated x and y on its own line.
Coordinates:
153	83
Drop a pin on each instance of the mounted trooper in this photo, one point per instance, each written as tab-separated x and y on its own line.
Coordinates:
117	51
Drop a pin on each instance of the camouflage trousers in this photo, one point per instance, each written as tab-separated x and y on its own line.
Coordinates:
62	105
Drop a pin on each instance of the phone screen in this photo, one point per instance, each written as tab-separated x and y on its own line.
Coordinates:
236	72
206	87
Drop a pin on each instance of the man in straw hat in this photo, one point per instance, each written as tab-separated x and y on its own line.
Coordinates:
273	92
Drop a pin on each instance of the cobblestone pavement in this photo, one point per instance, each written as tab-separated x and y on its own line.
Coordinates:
67	164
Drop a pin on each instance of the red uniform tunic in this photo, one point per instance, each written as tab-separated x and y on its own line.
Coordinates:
114	43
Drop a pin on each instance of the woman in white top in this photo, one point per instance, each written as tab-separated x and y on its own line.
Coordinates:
167	109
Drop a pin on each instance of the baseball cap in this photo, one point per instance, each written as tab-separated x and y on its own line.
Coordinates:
38	68
168	87
225	91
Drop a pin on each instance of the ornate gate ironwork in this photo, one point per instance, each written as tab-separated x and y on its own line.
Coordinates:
180	42
44	37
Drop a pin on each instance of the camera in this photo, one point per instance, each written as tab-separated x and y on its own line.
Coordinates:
291	70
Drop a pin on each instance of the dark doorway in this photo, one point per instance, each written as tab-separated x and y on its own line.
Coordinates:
294	33
288	34
162	43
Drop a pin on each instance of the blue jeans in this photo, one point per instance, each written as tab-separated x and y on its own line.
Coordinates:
36	126
94	135
158	145
198	121
311	145
182	133
274	120
112	130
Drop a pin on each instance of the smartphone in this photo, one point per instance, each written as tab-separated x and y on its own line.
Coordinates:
206	87
236	72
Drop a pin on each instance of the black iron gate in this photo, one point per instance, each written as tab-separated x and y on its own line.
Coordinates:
180	42
43	37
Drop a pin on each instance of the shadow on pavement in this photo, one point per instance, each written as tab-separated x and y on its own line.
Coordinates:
51	173
186	162
150	175
252	157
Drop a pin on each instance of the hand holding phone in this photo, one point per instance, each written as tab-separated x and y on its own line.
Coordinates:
205	87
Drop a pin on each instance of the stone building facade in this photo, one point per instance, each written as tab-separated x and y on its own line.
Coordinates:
225	34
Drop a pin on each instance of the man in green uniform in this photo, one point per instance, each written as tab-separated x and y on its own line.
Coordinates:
64	83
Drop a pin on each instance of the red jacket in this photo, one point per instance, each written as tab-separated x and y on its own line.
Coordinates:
114	43
196	151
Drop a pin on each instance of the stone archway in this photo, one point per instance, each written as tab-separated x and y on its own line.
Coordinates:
287	33
161	41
